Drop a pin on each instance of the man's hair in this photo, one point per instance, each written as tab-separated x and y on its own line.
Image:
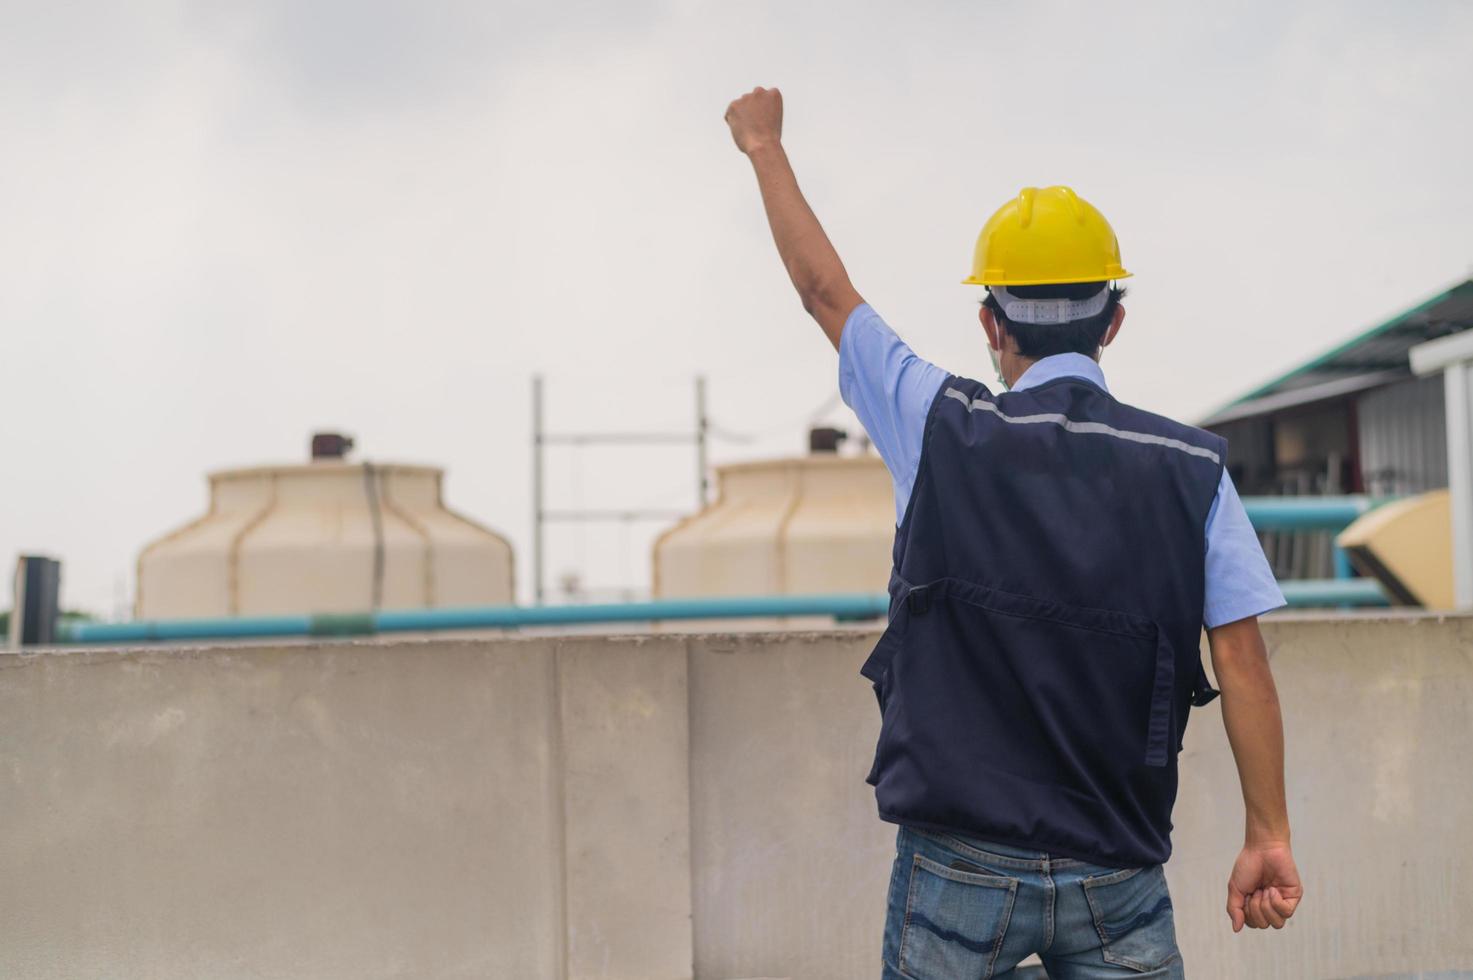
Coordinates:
1037	340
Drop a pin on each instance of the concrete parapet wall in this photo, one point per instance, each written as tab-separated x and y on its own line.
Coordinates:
640	807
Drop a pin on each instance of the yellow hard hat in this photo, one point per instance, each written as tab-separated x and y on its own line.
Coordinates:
1045	235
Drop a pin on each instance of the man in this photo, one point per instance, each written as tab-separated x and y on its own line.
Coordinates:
1056	557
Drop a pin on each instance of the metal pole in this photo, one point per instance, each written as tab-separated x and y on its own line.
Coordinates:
1460	476
17	604
1453	357
702	431
537	502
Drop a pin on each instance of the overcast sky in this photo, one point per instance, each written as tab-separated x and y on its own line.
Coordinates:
224	225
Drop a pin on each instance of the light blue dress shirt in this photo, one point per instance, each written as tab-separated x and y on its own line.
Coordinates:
891	390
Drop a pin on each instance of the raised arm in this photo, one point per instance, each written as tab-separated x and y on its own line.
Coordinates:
756	121
1264	888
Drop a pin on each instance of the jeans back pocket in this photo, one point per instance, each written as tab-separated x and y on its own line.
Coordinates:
955	921
1132	914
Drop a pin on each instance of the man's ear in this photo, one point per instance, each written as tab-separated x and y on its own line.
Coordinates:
1115	322
989	325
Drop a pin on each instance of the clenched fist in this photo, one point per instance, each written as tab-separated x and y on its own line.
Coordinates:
756	119
1264	888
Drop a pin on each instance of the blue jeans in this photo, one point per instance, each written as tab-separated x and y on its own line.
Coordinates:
963	909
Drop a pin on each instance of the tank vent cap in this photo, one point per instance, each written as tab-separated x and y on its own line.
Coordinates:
825	440
330	445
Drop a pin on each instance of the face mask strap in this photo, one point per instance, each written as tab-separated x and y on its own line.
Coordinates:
997	366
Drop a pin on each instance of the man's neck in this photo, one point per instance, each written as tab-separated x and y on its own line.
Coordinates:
1027	372
1015	366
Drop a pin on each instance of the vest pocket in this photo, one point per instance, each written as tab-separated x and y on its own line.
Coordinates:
876	666
876	670
955	921
1057	692
1009	717
1112	671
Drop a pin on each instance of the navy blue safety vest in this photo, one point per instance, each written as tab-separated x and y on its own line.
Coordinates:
1045	619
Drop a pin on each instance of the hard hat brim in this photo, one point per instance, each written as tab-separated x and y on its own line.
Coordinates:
1009	281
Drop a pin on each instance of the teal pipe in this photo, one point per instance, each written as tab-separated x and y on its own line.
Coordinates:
158	630
1312	514
1323	592
862	605
843	606
1307	513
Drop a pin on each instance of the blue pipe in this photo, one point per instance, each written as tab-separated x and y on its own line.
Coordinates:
859	605
1311	514
1333	592
862	605
1307	513
155	630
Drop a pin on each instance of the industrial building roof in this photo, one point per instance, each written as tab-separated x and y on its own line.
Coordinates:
1369	360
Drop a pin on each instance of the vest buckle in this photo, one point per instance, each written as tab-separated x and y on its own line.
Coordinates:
918	600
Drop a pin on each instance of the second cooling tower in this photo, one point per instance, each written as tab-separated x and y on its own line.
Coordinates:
813	524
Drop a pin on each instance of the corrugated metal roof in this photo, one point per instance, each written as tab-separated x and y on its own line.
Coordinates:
1306	395
1382	349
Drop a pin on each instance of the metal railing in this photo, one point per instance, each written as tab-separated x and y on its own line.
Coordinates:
1323	514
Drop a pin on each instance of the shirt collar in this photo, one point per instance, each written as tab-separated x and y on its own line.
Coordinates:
1062	366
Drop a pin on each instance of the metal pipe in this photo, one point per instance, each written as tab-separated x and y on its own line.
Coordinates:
858	605
617	438
863	605
155	630
376	522
537	503
576	516
703	428
1318	593
1307	513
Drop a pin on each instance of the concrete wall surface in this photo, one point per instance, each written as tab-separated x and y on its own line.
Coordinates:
642	807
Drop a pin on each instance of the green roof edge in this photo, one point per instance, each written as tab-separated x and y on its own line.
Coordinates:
1328	355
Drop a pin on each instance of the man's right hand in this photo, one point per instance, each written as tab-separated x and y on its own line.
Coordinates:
1264	888
756	119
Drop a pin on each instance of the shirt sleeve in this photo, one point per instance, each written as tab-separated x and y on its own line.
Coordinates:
891	390
1239	582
